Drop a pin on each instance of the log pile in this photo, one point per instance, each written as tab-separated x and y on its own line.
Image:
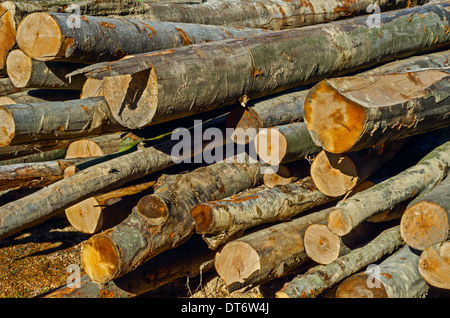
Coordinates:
253	139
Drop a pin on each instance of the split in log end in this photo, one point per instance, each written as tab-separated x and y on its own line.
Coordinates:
33	29
19	67
321	245
424	224
154	208
339	222
361	286
237	262
202	216
334	174
100	259
335	122
7	127
271	146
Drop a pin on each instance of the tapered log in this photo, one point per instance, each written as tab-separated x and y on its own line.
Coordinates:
95	146
287	173
337	174
412	182
140	89
46	36
33	174
7	87
265	254
319	278
427	220
92	88
162	221
395	277
106	210
26	72
434	265
23	123
220	220
38	96
188	260
363	111
284	144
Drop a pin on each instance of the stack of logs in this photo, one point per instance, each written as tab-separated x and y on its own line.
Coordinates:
310	139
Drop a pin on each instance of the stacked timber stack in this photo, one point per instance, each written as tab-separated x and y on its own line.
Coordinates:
256	139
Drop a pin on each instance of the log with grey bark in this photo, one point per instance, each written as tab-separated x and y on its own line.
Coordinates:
24	123
220	220
284	144
149	88
7	87
426	221
26	72
265	254
39	96
396	277
95	146
434	265
319	278
412	182
366	110
161	221
337	174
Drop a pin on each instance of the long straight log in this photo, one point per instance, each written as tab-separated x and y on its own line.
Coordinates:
46	36
427	220
284	144
26	72
161	221
265	254
37	157
38	96
140	90
395	277
220	220
319	278
337	174
363	111
412	182
434	265
24	123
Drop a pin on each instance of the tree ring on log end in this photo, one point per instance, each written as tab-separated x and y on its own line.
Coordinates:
7	127
132	98
434	265
271	146
321	245
202	217
86	216
84	148
424	224
334	122
339	222
154	208
19	67
334	174
361	285
100	259
39	36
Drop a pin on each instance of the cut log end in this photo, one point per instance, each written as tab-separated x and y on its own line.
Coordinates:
271	146
7	127
321	245
39	25
7	31
100	259
92	88
133	99
361	286
335	122
424	224
244	121
281	177
237	262
19	67
84	149
202	216
86	216
334	174
434	265
339	222
5	100
154	208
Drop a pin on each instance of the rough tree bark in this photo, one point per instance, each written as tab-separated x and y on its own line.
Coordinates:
38	96
26	72
366	110
284	144
24	123
427	220
319	278
412	182
265	254
151	88
7	87
220	220
434	265
395	277
162	221
337	174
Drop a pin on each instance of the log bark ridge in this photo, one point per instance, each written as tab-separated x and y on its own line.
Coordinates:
147	88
